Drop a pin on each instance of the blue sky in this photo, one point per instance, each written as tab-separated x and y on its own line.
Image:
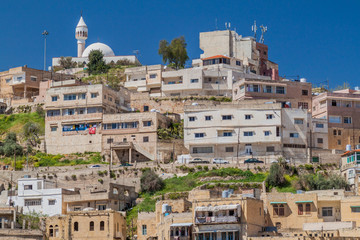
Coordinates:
318	40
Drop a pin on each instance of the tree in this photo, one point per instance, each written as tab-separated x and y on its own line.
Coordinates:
150	182
31	133
174	53
10	146
276	176
66	62
96	63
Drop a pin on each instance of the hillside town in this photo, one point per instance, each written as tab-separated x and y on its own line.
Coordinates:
100	146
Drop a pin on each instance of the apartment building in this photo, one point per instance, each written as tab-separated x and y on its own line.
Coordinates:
249	128
350	169
312	213
132	137
74	116
292	94
86	224
113	196
20	85
40	196
341	110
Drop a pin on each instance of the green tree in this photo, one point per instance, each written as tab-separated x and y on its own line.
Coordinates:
150	182
96	63
31	133
10	146
67	62
175	53
276	176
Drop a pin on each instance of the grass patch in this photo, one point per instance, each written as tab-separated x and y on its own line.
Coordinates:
15	122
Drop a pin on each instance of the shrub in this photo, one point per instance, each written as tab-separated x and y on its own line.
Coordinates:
73	177
276	176
150	182
100	181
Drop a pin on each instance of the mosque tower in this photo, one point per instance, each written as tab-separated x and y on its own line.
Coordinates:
81	34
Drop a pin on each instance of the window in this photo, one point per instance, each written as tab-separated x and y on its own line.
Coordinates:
102	226
191	119
294	135
144	229
152	75
300	209
267	133
248	134
270	149
101	207
247	117
339	132
194	80
69	97
227	134
339	142
347	104
253	88
32	202
319	125
146	108
278	131
8	80
76	226
27	187
208	118
279	210
299	121
199	135
82	96
303	105
229	149
146	139
51	231
54	98
202	150
147	123
305	92
33	78
320	141
280	90
54	129
91	226
355	209
94	95
238	63
77	208
334	119
226	117
104	96
347	120
335	132
307	209
268	89
110	99
51	202
269	116
327	211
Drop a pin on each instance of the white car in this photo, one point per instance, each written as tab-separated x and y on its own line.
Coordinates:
220	161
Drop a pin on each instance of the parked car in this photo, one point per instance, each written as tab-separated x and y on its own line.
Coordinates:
198	160
220	161
253	160
95	166
125	165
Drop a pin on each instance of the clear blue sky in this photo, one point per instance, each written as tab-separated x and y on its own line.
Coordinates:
317	40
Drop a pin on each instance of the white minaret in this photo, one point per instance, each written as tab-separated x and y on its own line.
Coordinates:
81	34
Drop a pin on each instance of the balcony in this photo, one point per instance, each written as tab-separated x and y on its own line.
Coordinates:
219	219
173	87
135	84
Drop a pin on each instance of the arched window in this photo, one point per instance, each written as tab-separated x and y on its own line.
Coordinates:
76	226
307	208
115	191
182	231
177	231
278	210
300	209
51	231
91	228
56	230
102	226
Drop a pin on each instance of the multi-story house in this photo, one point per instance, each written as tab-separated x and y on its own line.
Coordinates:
248	128
292	94
74	116
40	196
20	85
87	224
350	169
341	110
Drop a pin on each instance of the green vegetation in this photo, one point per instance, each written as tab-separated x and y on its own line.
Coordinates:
96	64
174	131
150	182
16	122
31	133
67	62
10	146
33	218
175	53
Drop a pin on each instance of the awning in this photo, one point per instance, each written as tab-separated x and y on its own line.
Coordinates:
217	208
213	231
278	202
355	206
181	225
304	202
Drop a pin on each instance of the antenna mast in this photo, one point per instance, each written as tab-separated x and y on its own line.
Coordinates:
263	31
254	29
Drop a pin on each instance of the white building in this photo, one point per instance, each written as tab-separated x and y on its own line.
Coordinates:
40	196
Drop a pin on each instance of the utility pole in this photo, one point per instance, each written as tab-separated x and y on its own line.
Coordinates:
15	159
45	34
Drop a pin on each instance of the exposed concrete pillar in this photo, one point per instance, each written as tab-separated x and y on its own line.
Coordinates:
130	155
23	224
3	223
12	224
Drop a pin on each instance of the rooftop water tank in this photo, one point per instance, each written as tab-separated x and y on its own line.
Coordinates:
302	79
348	147
357	88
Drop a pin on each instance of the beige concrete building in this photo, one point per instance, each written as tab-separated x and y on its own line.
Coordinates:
21	85
293	94
341	110
74	116
350	169
87	224
249	128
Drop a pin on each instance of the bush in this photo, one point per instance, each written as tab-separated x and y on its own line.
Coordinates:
100	181
150	182
276	176
73	177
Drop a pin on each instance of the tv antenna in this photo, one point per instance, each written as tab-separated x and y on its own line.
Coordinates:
254	29
227	25
263	31
137	53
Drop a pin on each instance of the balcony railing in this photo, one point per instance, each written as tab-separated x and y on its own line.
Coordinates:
220	219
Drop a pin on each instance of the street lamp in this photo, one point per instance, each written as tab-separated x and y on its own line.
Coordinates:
45	34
